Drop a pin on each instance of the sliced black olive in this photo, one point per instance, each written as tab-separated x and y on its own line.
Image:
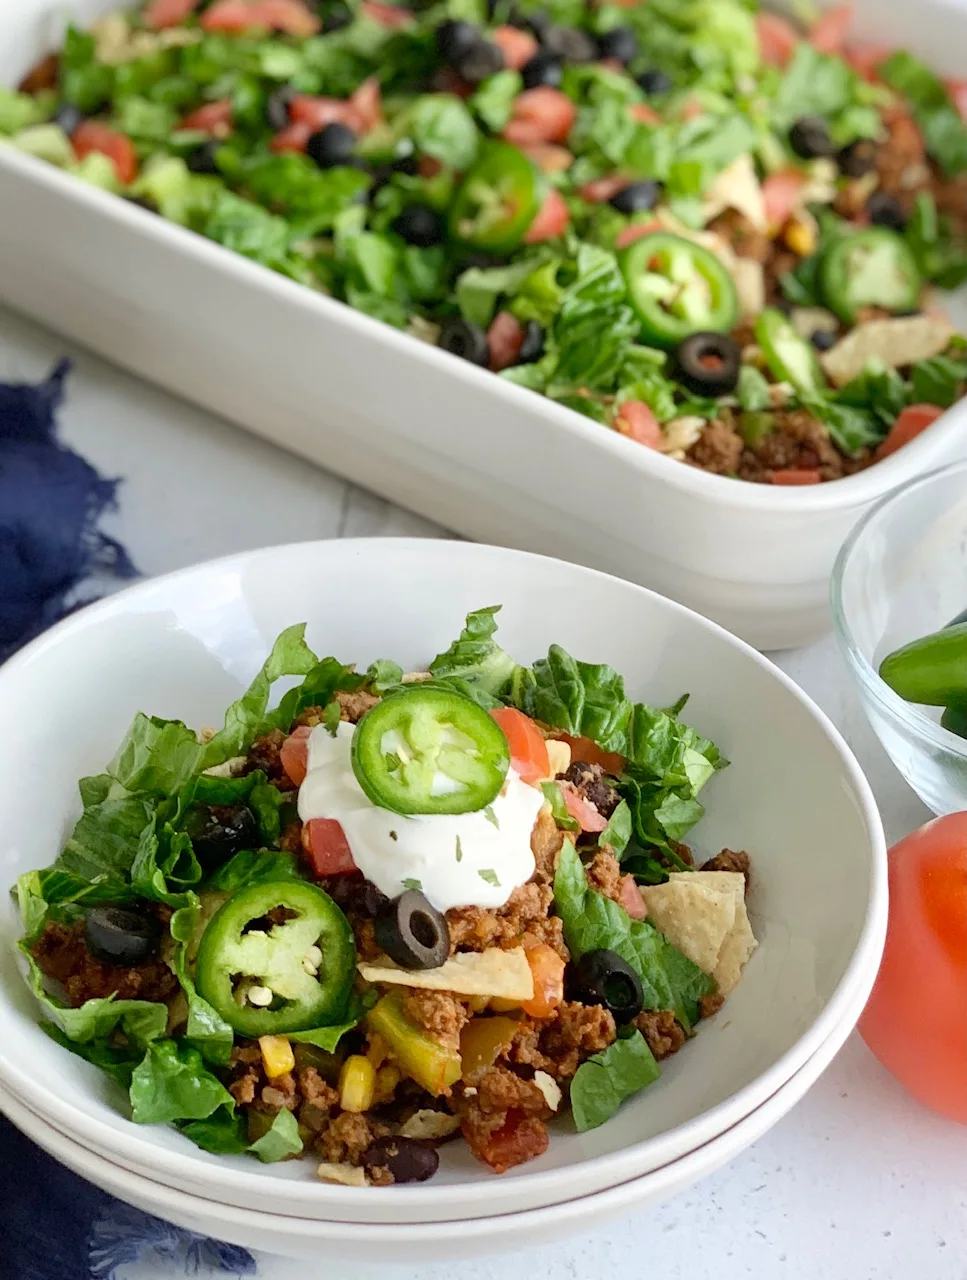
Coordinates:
454	39
332	145
543	68
637	196
709	363
823	339
620	43
656	81
809	138
219	832
407	1159
68	117
484	59
122	935
412	933
885	211
858	159
410	165
461	338
602	977
569	43
202	159
277	107
532	348
419	225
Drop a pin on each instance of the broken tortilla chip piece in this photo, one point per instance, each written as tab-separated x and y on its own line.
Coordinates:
694	917
504	974
430	1126
740	942
737	187
898	342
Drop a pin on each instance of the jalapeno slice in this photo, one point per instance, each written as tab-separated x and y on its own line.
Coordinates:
871	268
268	978
678	288
497	201
790	358
429	751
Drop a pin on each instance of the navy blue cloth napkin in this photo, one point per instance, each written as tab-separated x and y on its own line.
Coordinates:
53	1225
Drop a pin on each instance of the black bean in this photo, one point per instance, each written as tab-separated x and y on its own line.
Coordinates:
620	43
809	138
637	197
480	62
823	339
543	68
656	81
220	831
885	211
858	159
122	935
419	225
407	1159
454	39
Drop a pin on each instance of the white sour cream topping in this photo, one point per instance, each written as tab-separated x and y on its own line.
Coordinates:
459	860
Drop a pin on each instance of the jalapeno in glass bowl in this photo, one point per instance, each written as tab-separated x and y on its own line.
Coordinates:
678	288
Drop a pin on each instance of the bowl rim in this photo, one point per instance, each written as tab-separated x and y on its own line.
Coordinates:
890	701
621	1164
849	492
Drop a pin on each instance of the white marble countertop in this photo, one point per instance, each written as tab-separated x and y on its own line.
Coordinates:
858	1182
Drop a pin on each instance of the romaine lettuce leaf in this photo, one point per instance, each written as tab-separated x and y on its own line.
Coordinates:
944	132
938	381
280	1140
607	1079
171	1083
206	1030
142	1021
475	656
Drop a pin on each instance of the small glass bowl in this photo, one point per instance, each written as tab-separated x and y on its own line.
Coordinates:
902	574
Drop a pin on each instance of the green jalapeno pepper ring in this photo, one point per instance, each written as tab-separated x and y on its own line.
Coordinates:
790	357
497	201
236	960
678	288
870	268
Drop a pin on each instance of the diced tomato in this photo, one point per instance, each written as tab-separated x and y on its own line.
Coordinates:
581	810
637	421
914	419
866	58
290	16
540	115
387	15
643	114
213	117
780	195
828	33
293	137
692	109
521	1138
294	754
327	849
801	475
91	135
518	47
549	157
168	13
601	189
628	235
958	93
778	39
367	104
528	750
551	220
547	970
630	898
318	112
588	752
505	337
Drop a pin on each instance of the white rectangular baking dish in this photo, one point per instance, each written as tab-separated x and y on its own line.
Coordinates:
486	459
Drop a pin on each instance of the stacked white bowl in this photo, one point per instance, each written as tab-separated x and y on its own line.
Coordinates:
185	645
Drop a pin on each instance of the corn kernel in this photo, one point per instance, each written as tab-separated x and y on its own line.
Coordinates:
478	1004
277	1056
357	1084
387	1078
800	237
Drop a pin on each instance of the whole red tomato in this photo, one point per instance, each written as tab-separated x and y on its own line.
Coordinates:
916	1020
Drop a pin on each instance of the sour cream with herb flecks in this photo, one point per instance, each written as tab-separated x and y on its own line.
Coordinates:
455	860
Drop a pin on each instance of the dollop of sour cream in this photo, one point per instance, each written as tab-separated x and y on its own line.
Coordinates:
456	860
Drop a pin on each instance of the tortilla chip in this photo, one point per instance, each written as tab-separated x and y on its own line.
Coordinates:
896	342
750	285
430	1126
346	1175
694	917
505	974
735	953
549	1088
737	187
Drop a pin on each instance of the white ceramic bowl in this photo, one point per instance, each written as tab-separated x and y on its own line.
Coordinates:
414	1242
482	457
184	645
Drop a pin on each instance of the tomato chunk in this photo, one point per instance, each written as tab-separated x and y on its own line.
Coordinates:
518	47
828	33
551	220
521	1138
549	157
588	752
528	750
778	39
630	898
643	114
293	137
601	189
801	475
294	754
628	235
387	15
506	337
780	194
290	16
547	970
327	849
637	421
91	135
914	419
540	115
318	112
958	93
367	103
582	811
213	117
168	13
866	58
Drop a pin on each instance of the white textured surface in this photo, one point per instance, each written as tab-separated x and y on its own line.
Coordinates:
857	1182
